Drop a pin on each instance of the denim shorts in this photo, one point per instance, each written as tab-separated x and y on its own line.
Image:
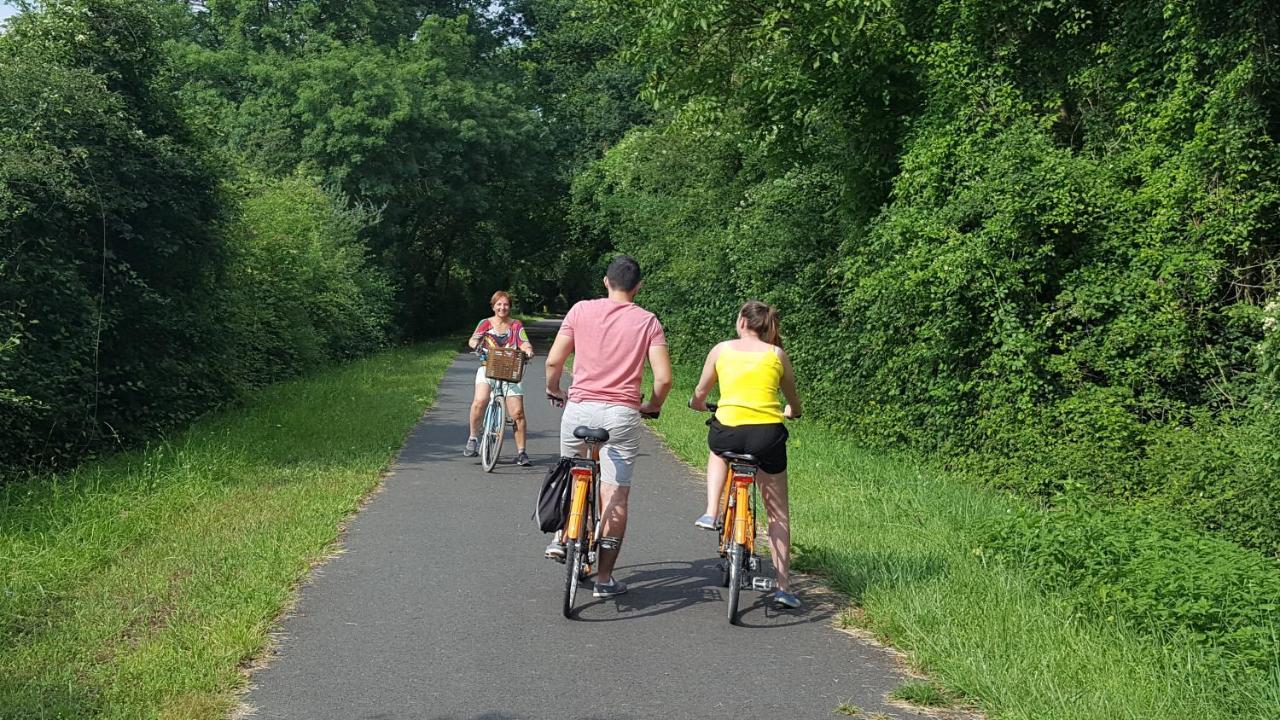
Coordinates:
618	456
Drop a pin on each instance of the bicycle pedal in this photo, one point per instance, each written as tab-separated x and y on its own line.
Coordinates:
763	584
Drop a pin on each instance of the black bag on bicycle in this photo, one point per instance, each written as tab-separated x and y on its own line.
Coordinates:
553	498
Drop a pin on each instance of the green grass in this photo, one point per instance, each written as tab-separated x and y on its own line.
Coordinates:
136	587
922	693
897	537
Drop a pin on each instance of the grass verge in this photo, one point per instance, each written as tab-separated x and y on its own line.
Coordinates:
902	541
137	586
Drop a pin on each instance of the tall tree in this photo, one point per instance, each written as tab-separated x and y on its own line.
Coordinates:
422	129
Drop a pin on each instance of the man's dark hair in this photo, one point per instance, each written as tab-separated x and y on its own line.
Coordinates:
623	273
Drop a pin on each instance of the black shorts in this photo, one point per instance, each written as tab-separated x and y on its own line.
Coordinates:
767	442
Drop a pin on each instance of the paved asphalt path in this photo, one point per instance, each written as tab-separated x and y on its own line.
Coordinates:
442	607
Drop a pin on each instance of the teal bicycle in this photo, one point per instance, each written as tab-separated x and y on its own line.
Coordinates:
493	429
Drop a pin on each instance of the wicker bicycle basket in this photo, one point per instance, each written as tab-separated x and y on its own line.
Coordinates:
504	364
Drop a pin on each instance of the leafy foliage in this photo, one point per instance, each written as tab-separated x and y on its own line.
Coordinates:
200	198
301	292
419	129
1036	235
107	215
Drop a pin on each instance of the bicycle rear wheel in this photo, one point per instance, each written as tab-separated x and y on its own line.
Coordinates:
573	561
495	417
726	541
735	561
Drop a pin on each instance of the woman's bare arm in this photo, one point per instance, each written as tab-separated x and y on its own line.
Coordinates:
789	386
706	381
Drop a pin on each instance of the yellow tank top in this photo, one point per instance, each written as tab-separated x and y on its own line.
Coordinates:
748	387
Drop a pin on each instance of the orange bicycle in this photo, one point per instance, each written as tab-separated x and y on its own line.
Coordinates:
736	530
582	529
582	540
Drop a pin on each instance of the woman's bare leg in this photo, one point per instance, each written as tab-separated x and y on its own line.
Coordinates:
477	407
515	408
717	469
774	490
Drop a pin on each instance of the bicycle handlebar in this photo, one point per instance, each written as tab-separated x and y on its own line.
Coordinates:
711	407
653	415
483	353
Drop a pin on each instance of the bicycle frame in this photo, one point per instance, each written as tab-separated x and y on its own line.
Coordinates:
742	477
498	394
737	507
582	531
494	426
737	525
586	479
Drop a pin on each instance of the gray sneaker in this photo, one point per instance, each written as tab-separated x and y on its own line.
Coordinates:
523	459
784	600
555	551
706	522
471	450
613	588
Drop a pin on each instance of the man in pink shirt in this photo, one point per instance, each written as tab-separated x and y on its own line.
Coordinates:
610	339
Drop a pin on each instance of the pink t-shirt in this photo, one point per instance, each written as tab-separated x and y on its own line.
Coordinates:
610	343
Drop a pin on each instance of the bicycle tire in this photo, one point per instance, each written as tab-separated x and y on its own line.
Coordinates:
573	577
735	560
724	562
485	422
494	430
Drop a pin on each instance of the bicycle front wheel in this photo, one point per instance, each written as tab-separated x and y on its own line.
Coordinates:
495	418
735	561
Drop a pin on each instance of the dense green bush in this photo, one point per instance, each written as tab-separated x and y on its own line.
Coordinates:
108	217
301	292
199	198
135	292
711	229
1038	236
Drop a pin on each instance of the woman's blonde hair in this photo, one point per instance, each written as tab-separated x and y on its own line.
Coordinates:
761	319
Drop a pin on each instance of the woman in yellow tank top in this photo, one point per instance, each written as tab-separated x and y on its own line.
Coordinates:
751	371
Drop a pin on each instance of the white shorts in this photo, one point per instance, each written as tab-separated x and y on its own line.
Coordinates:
618	456
513	389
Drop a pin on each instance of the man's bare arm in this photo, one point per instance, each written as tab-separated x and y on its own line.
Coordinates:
556	358
660	362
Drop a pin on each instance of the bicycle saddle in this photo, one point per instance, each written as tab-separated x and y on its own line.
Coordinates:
735	457
600	435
